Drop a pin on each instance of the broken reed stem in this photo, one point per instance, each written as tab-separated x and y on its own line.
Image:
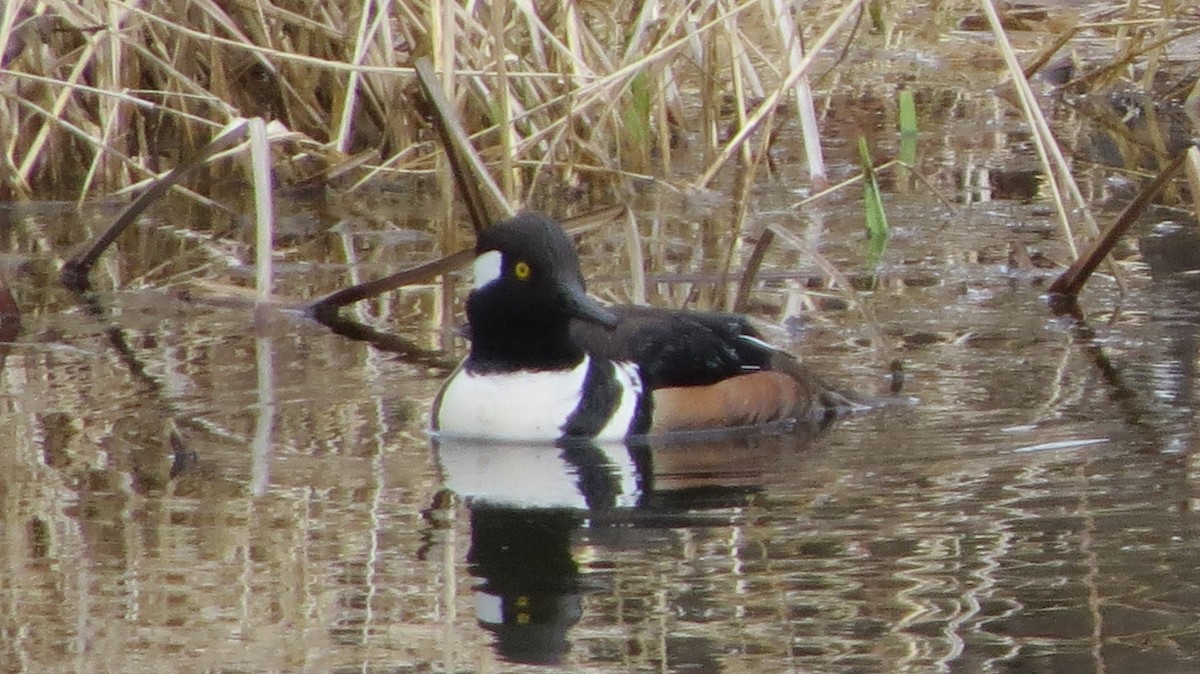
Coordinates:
328	305
419	274
1071	281
742	213
264	210
75	270
471	175
753	265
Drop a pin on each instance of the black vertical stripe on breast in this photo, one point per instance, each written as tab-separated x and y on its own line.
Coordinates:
601	396
643	414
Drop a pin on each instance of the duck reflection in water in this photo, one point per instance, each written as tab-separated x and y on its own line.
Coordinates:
531	506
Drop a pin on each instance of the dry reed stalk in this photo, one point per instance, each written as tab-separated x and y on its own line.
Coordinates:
504	101
117	79
264	210
1044	140
741	215
802	93
768	105
1127	58
739	81
11	43
368	27
841	284
1049	152
637	260
597	93
710	101
546	90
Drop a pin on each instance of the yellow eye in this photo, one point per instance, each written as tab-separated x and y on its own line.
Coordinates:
522	271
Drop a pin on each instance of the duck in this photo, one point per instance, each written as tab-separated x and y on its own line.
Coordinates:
549	363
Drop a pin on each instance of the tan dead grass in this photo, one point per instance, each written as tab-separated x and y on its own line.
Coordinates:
99	95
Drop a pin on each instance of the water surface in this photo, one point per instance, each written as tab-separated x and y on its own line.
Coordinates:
184	486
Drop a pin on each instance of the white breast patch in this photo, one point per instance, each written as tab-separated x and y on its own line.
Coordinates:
517	406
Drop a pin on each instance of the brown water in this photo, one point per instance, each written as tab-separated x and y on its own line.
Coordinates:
1032	512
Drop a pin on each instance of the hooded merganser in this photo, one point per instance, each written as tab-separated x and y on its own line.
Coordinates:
547	362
